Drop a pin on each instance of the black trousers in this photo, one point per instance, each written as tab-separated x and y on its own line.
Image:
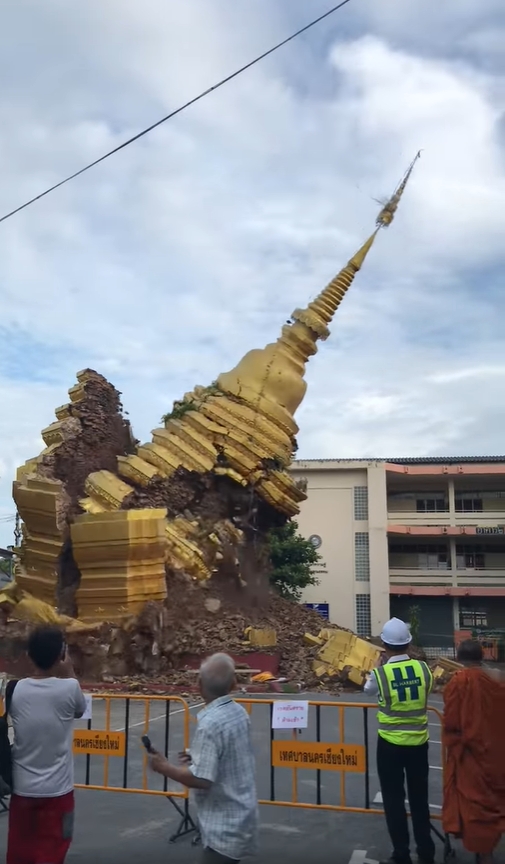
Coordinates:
394	763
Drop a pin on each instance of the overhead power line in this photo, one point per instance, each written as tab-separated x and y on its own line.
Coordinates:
177	110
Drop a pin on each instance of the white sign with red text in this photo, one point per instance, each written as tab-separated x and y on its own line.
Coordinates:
290	715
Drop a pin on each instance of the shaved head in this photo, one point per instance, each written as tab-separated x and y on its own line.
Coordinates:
217	676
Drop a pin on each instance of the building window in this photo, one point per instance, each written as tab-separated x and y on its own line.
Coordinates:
363	616
362	556
470	557
468	502
422	501
431	505
419	556
471	619
361	503
473	556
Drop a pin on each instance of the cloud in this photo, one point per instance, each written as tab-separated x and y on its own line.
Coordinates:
465	374
163	265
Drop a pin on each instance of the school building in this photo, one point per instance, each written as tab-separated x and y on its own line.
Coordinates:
397	534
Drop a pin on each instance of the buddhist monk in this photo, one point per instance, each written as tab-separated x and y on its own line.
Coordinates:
474	738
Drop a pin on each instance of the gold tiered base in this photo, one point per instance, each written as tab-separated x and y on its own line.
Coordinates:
39	502
121	556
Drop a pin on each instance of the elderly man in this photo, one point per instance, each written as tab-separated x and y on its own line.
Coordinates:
220	769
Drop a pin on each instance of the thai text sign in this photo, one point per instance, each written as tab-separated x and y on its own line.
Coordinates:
319	756
290	715
99	743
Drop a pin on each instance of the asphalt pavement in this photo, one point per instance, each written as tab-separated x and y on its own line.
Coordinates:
119	826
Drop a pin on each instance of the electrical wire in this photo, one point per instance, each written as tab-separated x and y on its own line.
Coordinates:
178	110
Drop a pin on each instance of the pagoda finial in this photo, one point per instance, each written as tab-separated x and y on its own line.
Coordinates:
271	378
320	312
387	213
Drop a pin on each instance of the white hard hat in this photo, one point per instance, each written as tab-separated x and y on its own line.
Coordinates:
396	632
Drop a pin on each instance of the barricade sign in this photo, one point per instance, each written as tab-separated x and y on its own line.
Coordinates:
100	743
319	756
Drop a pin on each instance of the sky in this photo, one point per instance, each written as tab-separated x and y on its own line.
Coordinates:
160	267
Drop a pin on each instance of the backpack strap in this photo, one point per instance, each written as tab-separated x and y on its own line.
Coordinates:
9	692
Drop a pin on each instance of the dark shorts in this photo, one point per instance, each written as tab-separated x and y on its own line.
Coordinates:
40	829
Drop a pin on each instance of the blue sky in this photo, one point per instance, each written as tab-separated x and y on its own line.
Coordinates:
164	264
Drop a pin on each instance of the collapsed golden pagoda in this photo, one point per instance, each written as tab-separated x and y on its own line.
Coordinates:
105	517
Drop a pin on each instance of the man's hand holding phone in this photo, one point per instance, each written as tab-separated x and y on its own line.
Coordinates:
66	667
157	762
185	758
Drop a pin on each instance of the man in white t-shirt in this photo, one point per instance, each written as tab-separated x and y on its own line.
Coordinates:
42	711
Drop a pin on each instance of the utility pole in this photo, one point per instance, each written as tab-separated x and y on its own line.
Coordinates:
17	530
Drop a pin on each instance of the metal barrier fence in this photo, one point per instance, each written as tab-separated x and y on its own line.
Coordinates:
308	749
334	745
323	747
108	757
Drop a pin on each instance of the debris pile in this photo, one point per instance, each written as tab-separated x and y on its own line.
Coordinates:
153	649
156	644
443	669
342	656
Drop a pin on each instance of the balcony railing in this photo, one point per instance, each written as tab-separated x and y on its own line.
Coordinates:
464	570
460	578
491	518
402	575
412	517
487	517
414	564
434	568
488	577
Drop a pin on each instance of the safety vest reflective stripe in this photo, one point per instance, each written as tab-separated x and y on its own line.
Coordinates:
391	713
403	727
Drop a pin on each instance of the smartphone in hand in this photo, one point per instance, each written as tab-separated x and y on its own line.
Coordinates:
185	757
146	741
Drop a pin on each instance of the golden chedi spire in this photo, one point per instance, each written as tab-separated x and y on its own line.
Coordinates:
271	378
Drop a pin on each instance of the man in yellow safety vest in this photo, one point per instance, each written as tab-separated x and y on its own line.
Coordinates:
402	686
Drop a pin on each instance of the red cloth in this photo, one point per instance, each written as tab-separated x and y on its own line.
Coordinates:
474	778
40	829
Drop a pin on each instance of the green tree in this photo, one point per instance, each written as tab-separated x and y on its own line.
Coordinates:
292	558
5	566
415	624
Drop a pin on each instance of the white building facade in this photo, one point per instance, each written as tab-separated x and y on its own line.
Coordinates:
413	532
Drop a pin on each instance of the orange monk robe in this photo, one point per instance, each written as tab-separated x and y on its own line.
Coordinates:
474	779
